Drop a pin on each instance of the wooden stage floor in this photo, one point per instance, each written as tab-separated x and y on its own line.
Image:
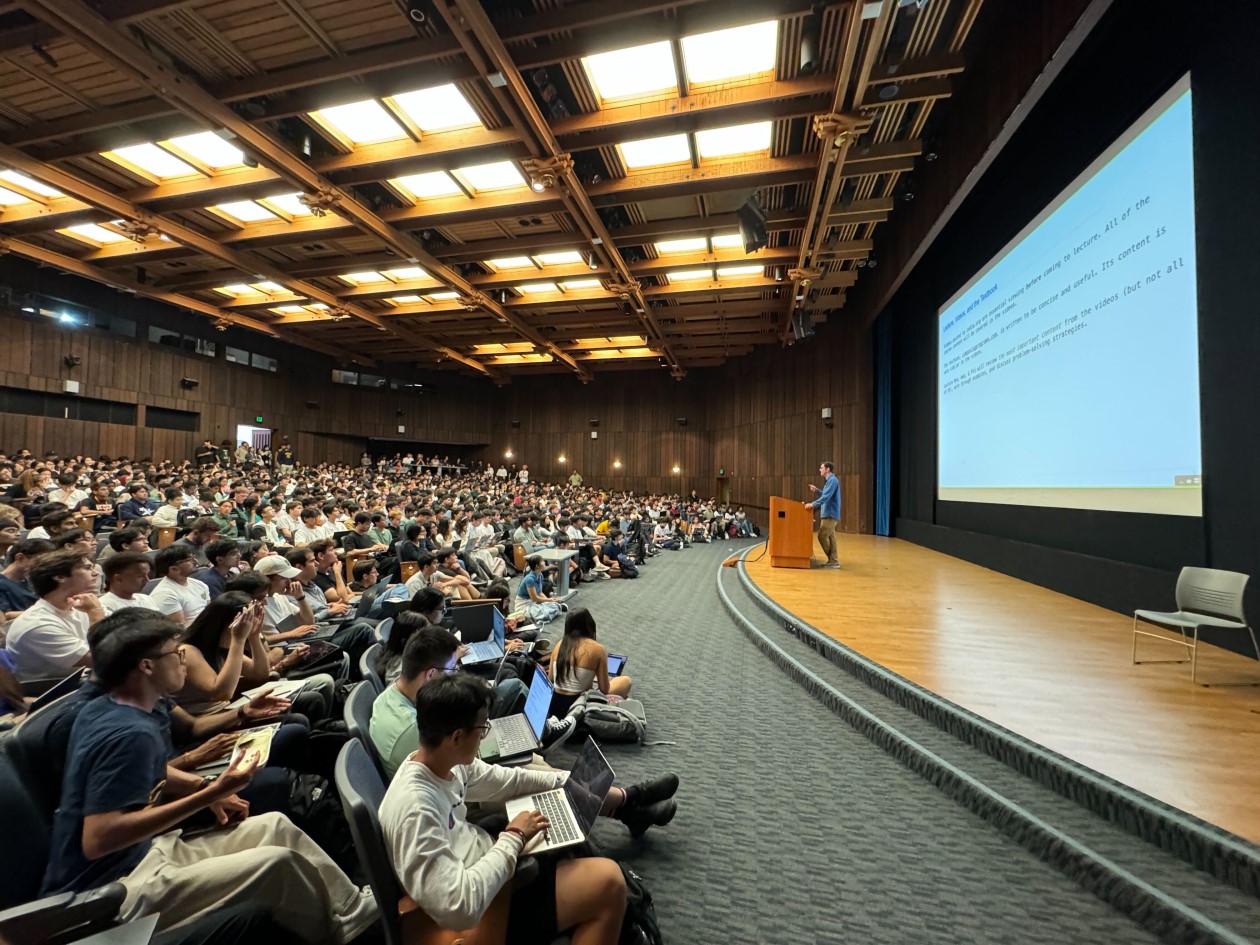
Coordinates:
1049	667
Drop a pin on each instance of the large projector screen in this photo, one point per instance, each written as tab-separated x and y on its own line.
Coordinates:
1069	366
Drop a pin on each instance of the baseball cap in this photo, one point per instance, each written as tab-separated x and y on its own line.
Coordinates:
276	565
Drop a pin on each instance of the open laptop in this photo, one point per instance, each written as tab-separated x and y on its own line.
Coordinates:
521	733
572	808
616	663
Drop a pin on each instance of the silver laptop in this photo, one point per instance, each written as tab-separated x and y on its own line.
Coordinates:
523	732
572	808
484	651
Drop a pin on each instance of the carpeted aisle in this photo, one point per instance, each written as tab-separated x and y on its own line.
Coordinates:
791	826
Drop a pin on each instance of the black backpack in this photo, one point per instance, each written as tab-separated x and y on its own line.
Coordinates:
639	927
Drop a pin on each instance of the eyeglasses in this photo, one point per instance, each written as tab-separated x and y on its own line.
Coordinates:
483	728
178	651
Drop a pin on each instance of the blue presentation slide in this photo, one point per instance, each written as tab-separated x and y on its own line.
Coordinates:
1071	361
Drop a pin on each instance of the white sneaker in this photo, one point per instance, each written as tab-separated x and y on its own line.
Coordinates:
359	919
600	566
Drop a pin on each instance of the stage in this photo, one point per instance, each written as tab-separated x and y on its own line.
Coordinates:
1049	667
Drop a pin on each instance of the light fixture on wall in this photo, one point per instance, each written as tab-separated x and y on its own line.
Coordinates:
616	464
677	470
562	459
826	416
507	454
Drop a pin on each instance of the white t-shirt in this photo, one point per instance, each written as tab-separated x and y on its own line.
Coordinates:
46	642
165	517
111	602
71	498
189	599
277	609
302	535
523	476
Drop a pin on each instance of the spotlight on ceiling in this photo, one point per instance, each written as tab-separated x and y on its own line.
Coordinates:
591	261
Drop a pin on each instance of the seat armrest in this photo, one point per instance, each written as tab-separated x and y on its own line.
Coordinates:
63	917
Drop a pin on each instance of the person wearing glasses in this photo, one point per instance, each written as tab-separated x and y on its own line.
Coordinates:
49	639
122	805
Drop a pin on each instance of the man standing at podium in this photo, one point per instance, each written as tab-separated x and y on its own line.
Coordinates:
828	503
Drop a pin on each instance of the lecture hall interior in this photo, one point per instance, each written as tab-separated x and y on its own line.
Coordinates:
878	375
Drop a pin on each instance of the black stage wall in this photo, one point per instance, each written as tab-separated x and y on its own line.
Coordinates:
1134	54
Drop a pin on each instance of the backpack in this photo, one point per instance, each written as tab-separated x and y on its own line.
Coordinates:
316	809
639	926
626	721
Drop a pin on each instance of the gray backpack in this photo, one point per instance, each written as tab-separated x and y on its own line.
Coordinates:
624	722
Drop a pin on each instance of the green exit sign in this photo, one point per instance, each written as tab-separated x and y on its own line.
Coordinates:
258	419
722	471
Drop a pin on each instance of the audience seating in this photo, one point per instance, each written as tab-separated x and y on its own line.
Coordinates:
164	536
362	789
1206	597
367	667
358	716
407	570
383	628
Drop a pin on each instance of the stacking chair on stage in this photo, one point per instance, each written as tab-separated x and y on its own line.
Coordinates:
1207	598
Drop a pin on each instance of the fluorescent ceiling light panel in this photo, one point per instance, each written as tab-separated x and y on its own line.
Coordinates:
688	245
9	199
288	204
497	176
735	139
363	278
405	299
152	160
561	258
29	183
288	309
728	54
365	122
437	109
95	233
247	211
209	149
581	283
432	184
406	272
648	152
269	287
237	288
689	275
727	240
740	271
442	296
512	262
626	73
531	288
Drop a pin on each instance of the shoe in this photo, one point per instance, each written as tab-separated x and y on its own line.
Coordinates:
651	791
604	575
557	731
362	916
638	819
832	565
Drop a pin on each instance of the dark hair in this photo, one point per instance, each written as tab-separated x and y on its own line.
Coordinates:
445	552
204	524
579	625
534	562
220	548
64	539
413	531
297	556
427	600
168	557
309	514
124	638
405	626
362	518
448	705
426	558
499	591
250	582
206	630
30	547
6	522
320	545
174	492
116	564
363	568
123	537
54	519
830	466
48	567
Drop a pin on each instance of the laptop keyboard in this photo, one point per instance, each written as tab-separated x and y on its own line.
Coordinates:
481	652
551	805
514	735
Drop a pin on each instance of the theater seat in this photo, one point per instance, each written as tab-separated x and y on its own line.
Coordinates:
407	570
367	667
165	536
358	717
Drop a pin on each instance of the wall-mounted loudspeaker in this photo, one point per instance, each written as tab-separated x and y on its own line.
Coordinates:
72	360
682	421
594	423
188	383
516	424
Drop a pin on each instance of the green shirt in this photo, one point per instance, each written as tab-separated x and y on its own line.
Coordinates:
381	536
393	729
227	525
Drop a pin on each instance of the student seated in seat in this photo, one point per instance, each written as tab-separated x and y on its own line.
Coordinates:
49	639
120	806
454	869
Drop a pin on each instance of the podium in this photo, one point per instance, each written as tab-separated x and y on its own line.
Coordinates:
791	533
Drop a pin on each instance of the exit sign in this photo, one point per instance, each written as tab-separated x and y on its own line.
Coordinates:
258	419
722	471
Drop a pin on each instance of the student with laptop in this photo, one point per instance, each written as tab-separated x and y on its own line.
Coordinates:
580	662
454	870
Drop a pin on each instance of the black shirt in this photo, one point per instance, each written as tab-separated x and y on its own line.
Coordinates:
357	541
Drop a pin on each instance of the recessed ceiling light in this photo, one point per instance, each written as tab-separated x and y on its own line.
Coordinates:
151	160
237	288
581	283
363	278
437	109
512	262
29	183
432	184
729	54
442	296
94	233
689	275
288	309
209	149
740	271
499	175
246	211
639	70
405	299
406	272
688	245
563	258
647	152
9	199
735	139
365	122
727	240
288	204
532	288
269	287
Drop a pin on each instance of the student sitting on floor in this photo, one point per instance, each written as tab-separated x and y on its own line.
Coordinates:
580	662
120	807
454	869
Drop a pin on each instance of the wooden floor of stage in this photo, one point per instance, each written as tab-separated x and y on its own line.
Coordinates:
1050	667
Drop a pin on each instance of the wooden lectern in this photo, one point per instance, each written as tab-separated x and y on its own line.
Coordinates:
791	533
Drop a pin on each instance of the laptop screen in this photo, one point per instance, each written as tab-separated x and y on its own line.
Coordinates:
538	703
588	784
500	629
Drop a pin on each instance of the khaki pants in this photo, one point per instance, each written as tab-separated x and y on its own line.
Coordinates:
266	860
827	538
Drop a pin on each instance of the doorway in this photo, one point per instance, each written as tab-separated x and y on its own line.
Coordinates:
257	437
723	491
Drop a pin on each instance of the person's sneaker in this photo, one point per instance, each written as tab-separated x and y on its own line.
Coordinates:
600	566
557	731
652	790
604	575
832	565
361	917
639	818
